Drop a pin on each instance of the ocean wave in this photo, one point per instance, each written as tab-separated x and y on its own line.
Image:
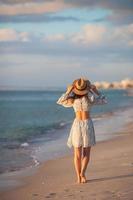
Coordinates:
97	119
19	137
35	160
25	144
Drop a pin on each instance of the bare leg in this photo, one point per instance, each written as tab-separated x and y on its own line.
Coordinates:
77	161
85	160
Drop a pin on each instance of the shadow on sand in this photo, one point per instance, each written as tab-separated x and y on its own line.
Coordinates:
110	178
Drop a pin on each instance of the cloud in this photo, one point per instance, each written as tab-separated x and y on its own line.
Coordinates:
31	63
36	18
123	35
7	35
121	11
101	35
11	35
90	34
120	17
112	4
20	1
32	8
24	36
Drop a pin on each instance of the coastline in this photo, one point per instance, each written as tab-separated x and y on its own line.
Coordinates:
110	174
33	139
107	126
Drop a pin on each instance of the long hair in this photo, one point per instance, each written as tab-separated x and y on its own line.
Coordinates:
75	96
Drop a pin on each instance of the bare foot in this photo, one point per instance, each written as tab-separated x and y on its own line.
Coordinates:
83	178
79	180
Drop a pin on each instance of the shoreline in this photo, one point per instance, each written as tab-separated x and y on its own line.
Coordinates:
31	144
113	166
105	129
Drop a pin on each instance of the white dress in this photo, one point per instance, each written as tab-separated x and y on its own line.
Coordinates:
82	131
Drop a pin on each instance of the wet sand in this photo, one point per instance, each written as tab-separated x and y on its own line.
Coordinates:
109	175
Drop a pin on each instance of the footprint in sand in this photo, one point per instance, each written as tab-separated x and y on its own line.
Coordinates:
66	190
50	195
35	194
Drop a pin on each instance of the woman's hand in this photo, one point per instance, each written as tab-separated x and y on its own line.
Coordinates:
94	89
69	89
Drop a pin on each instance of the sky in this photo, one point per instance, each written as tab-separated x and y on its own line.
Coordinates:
49	43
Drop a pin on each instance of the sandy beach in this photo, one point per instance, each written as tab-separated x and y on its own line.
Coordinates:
66	79
109	175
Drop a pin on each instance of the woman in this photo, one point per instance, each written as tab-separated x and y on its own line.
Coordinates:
81	95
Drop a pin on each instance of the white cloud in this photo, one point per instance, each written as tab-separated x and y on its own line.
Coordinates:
123	34
12	35
121	11
24	36
8	35
90	34
101	35
33	8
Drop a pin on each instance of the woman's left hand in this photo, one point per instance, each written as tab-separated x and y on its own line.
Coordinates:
94	89
69	89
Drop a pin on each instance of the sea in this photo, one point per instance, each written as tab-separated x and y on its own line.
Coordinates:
34	128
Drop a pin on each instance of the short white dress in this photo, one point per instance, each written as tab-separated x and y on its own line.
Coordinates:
82	132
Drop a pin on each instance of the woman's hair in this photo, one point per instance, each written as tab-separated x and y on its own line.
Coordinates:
76	96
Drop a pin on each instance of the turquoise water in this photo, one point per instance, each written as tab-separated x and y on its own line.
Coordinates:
33	117
27	114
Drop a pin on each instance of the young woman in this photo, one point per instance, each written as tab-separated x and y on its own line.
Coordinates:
81	95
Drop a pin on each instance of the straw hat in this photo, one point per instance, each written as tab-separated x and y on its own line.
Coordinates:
80	86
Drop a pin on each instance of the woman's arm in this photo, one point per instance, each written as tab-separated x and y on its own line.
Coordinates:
92	88
65	100
96	97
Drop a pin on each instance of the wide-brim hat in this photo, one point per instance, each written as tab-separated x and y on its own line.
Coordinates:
80	86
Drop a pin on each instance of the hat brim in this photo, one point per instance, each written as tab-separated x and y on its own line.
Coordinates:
80	92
